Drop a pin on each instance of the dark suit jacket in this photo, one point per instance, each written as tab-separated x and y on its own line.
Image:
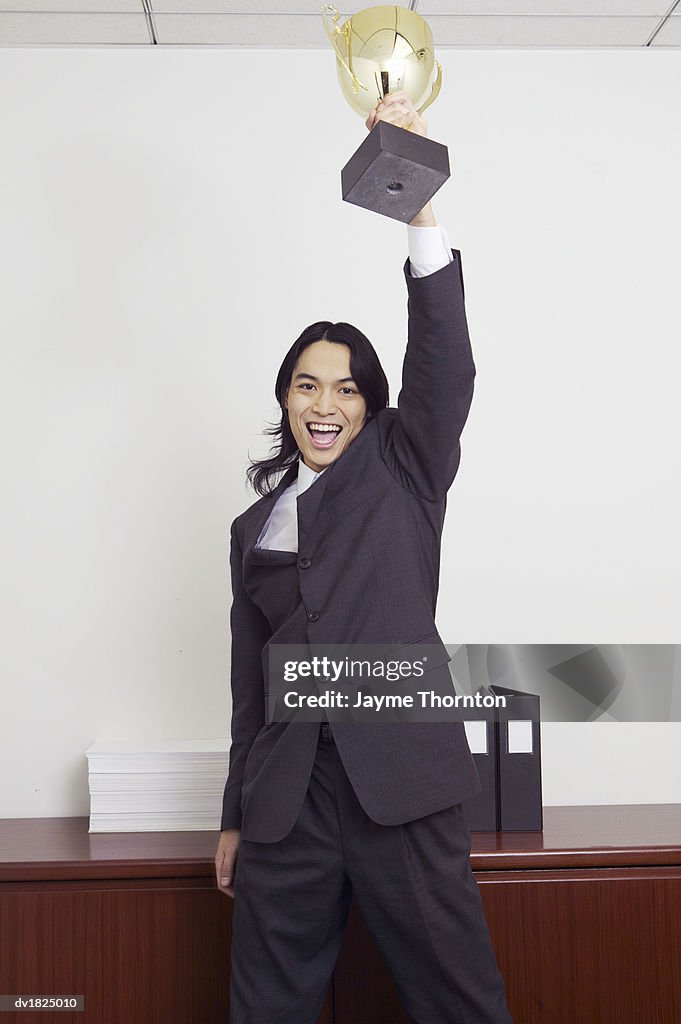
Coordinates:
366	571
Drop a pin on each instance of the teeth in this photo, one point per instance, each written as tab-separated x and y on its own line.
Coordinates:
324	426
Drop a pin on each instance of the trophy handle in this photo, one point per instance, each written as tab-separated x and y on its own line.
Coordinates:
333	32
435	90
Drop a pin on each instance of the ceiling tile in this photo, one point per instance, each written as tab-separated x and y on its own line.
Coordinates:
312	8
670	33
542	31
72	29
276	24
571	7
275	31
73	6
307	8
299	31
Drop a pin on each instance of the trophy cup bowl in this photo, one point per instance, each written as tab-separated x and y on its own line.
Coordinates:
380	50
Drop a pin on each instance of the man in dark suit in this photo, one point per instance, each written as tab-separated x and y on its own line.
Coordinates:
344	550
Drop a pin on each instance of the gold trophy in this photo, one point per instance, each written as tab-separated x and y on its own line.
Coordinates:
395	172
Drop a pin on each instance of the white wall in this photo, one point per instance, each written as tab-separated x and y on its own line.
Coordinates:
171	220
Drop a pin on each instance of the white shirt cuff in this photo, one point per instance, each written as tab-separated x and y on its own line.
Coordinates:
429	249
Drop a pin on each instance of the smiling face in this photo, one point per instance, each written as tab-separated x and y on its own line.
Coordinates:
323	395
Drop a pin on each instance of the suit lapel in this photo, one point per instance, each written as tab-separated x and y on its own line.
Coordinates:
309	503
252	531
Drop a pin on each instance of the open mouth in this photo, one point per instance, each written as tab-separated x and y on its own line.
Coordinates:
323	435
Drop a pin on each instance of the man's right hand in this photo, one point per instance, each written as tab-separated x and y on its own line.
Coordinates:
225	860
397	108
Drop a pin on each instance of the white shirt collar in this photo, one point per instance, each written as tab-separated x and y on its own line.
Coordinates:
307	476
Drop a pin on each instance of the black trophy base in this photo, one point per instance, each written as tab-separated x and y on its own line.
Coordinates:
395	172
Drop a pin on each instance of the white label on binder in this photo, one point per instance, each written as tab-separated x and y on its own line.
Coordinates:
476	734
520	737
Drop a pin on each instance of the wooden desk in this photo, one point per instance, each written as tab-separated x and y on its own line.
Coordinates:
585	919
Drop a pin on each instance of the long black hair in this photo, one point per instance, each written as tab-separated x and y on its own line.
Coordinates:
365	370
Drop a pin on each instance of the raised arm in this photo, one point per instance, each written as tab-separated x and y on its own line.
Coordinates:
422	448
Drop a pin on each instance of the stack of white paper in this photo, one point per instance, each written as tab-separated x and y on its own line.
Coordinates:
157	785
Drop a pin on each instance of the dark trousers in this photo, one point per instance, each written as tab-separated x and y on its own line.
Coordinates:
416	893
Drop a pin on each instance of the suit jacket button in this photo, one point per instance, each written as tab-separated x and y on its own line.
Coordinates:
313	616
304	563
